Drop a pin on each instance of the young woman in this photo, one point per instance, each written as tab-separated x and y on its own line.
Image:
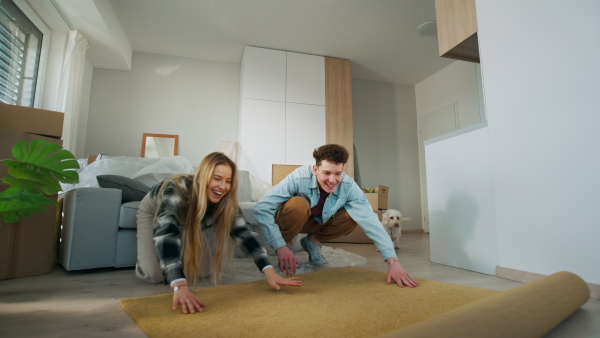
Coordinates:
172	246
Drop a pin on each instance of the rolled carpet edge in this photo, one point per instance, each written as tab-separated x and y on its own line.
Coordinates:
528	310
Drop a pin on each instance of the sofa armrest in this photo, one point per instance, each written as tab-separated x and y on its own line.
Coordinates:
248	211
90	223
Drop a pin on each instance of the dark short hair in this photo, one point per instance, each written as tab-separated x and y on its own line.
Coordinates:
333	153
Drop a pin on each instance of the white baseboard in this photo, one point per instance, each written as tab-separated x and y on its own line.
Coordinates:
525	277
413	231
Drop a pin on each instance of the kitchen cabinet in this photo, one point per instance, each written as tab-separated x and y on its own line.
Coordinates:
457	29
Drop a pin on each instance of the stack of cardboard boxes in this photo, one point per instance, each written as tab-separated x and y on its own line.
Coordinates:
378	199
379	203
27	247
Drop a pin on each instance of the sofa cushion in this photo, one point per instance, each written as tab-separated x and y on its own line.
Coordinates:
132	190
127	215
244	191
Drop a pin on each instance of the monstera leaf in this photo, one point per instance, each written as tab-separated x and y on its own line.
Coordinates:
16	204
36	170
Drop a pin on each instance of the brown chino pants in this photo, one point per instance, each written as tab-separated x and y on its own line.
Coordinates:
293	217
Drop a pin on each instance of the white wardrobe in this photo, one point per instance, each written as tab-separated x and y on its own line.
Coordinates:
282	109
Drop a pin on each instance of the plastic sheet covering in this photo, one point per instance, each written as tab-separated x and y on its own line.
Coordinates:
149	171
245	270
233	150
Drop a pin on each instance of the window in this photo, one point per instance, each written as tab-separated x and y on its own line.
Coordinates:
20	47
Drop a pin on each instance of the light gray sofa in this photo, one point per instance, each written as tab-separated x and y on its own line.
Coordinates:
98	230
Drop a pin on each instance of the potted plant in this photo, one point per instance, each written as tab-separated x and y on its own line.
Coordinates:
35	172
33	177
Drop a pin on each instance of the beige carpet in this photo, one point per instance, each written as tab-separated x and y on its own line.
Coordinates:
342	302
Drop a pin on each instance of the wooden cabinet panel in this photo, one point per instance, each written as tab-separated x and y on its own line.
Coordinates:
263	74
304	131
305	79
457	29
338	87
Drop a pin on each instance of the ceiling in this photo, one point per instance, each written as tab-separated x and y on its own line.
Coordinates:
379	36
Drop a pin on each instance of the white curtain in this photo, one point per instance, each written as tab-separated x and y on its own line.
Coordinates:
71	81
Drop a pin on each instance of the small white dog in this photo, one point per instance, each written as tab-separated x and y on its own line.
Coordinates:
392	223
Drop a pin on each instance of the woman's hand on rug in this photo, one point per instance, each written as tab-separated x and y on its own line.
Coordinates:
277	281
188	300
396	272
287	260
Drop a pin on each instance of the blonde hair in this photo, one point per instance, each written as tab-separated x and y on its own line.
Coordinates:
224	213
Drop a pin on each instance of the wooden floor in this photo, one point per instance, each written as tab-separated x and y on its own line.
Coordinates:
86	303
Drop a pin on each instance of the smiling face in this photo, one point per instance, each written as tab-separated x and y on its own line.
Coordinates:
219	184
329	175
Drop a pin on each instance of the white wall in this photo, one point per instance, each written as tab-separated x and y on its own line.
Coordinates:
195	99
56	56
84	107
385	137
455	83
541	80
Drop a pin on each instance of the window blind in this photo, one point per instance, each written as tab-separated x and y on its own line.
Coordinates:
20	46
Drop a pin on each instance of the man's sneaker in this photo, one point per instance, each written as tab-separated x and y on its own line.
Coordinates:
314	250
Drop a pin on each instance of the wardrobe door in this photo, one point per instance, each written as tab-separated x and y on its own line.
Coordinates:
262	135
305	82
263	74
304	131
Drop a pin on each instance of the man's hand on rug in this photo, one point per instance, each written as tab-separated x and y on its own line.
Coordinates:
287	260
397	273
277	281
188	300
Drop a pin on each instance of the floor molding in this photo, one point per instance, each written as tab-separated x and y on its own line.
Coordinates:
526	276
413	231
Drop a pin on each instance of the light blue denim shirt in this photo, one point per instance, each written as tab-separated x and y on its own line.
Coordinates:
302	182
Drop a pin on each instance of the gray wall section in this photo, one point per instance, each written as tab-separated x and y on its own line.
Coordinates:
195	99
385	136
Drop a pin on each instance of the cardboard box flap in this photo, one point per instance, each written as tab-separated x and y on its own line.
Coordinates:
382	193
31	120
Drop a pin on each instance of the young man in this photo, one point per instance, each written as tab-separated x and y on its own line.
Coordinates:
324	203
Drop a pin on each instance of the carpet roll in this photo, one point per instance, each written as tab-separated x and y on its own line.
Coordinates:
529	310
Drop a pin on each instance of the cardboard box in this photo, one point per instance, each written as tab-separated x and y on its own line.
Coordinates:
8	138
31	120
280	171
92	159
379	199
27	247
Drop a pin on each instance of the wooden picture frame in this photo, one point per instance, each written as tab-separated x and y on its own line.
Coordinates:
159	145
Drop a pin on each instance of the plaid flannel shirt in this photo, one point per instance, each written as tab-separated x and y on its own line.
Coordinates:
167	230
